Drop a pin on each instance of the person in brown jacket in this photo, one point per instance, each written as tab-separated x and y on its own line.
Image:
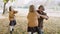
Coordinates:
12	19
43	16
33	20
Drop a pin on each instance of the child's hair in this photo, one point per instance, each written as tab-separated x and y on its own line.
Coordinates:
10	8
41	6
31	8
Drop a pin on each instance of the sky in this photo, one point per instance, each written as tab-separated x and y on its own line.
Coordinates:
24	2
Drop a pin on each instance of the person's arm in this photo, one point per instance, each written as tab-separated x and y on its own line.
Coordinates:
44	16
38	15
15	12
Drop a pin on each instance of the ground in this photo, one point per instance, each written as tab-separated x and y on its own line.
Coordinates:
51	26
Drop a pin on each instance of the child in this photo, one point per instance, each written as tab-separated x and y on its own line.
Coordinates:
42	17
12	19
33	20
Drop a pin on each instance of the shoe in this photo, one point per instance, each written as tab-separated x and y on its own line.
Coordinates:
10	32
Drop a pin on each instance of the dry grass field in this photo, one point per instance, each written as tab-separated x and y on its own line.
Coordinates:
51	26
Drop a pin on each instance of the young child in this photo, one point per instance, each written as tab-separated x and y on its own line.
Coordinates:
12	19
33	20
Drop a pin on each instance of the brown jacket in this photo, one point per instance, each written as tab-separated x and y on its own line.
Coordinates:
12	14
32	19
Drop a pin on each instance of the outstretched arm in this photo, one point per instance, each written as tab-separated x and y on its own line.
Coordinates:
44	16
15	12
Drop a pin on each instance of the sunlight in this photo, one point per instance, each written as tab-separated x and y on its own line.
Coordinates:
27	1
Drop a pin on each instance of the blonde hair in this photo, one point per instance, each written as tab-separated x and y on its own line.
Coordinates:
31	8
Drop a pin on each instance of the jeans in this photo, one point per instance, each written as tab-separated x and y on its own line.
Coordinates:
41	30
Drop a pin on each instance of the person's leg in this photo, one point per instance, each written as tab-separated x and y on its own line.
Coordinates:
41	27
30	32
11	29
38	30
42	31
34	33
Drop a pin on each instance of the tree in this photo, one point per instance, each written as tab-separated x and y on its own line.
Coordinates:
5	2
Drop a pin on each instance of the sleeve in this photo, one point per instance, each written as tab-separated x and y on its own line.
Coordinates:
45	15
15	12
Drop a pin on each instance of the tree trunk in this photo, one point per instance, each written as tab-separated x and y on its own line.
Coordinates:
4	8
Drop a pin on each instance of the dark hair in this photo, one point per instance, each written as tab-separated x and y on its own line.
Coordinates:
10	8
41	6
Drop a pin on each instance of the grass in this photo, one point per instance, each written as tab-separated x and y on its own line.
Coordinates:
51	26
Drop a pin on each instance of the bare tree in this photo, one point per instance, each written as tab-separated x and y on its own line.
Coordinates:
5	2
